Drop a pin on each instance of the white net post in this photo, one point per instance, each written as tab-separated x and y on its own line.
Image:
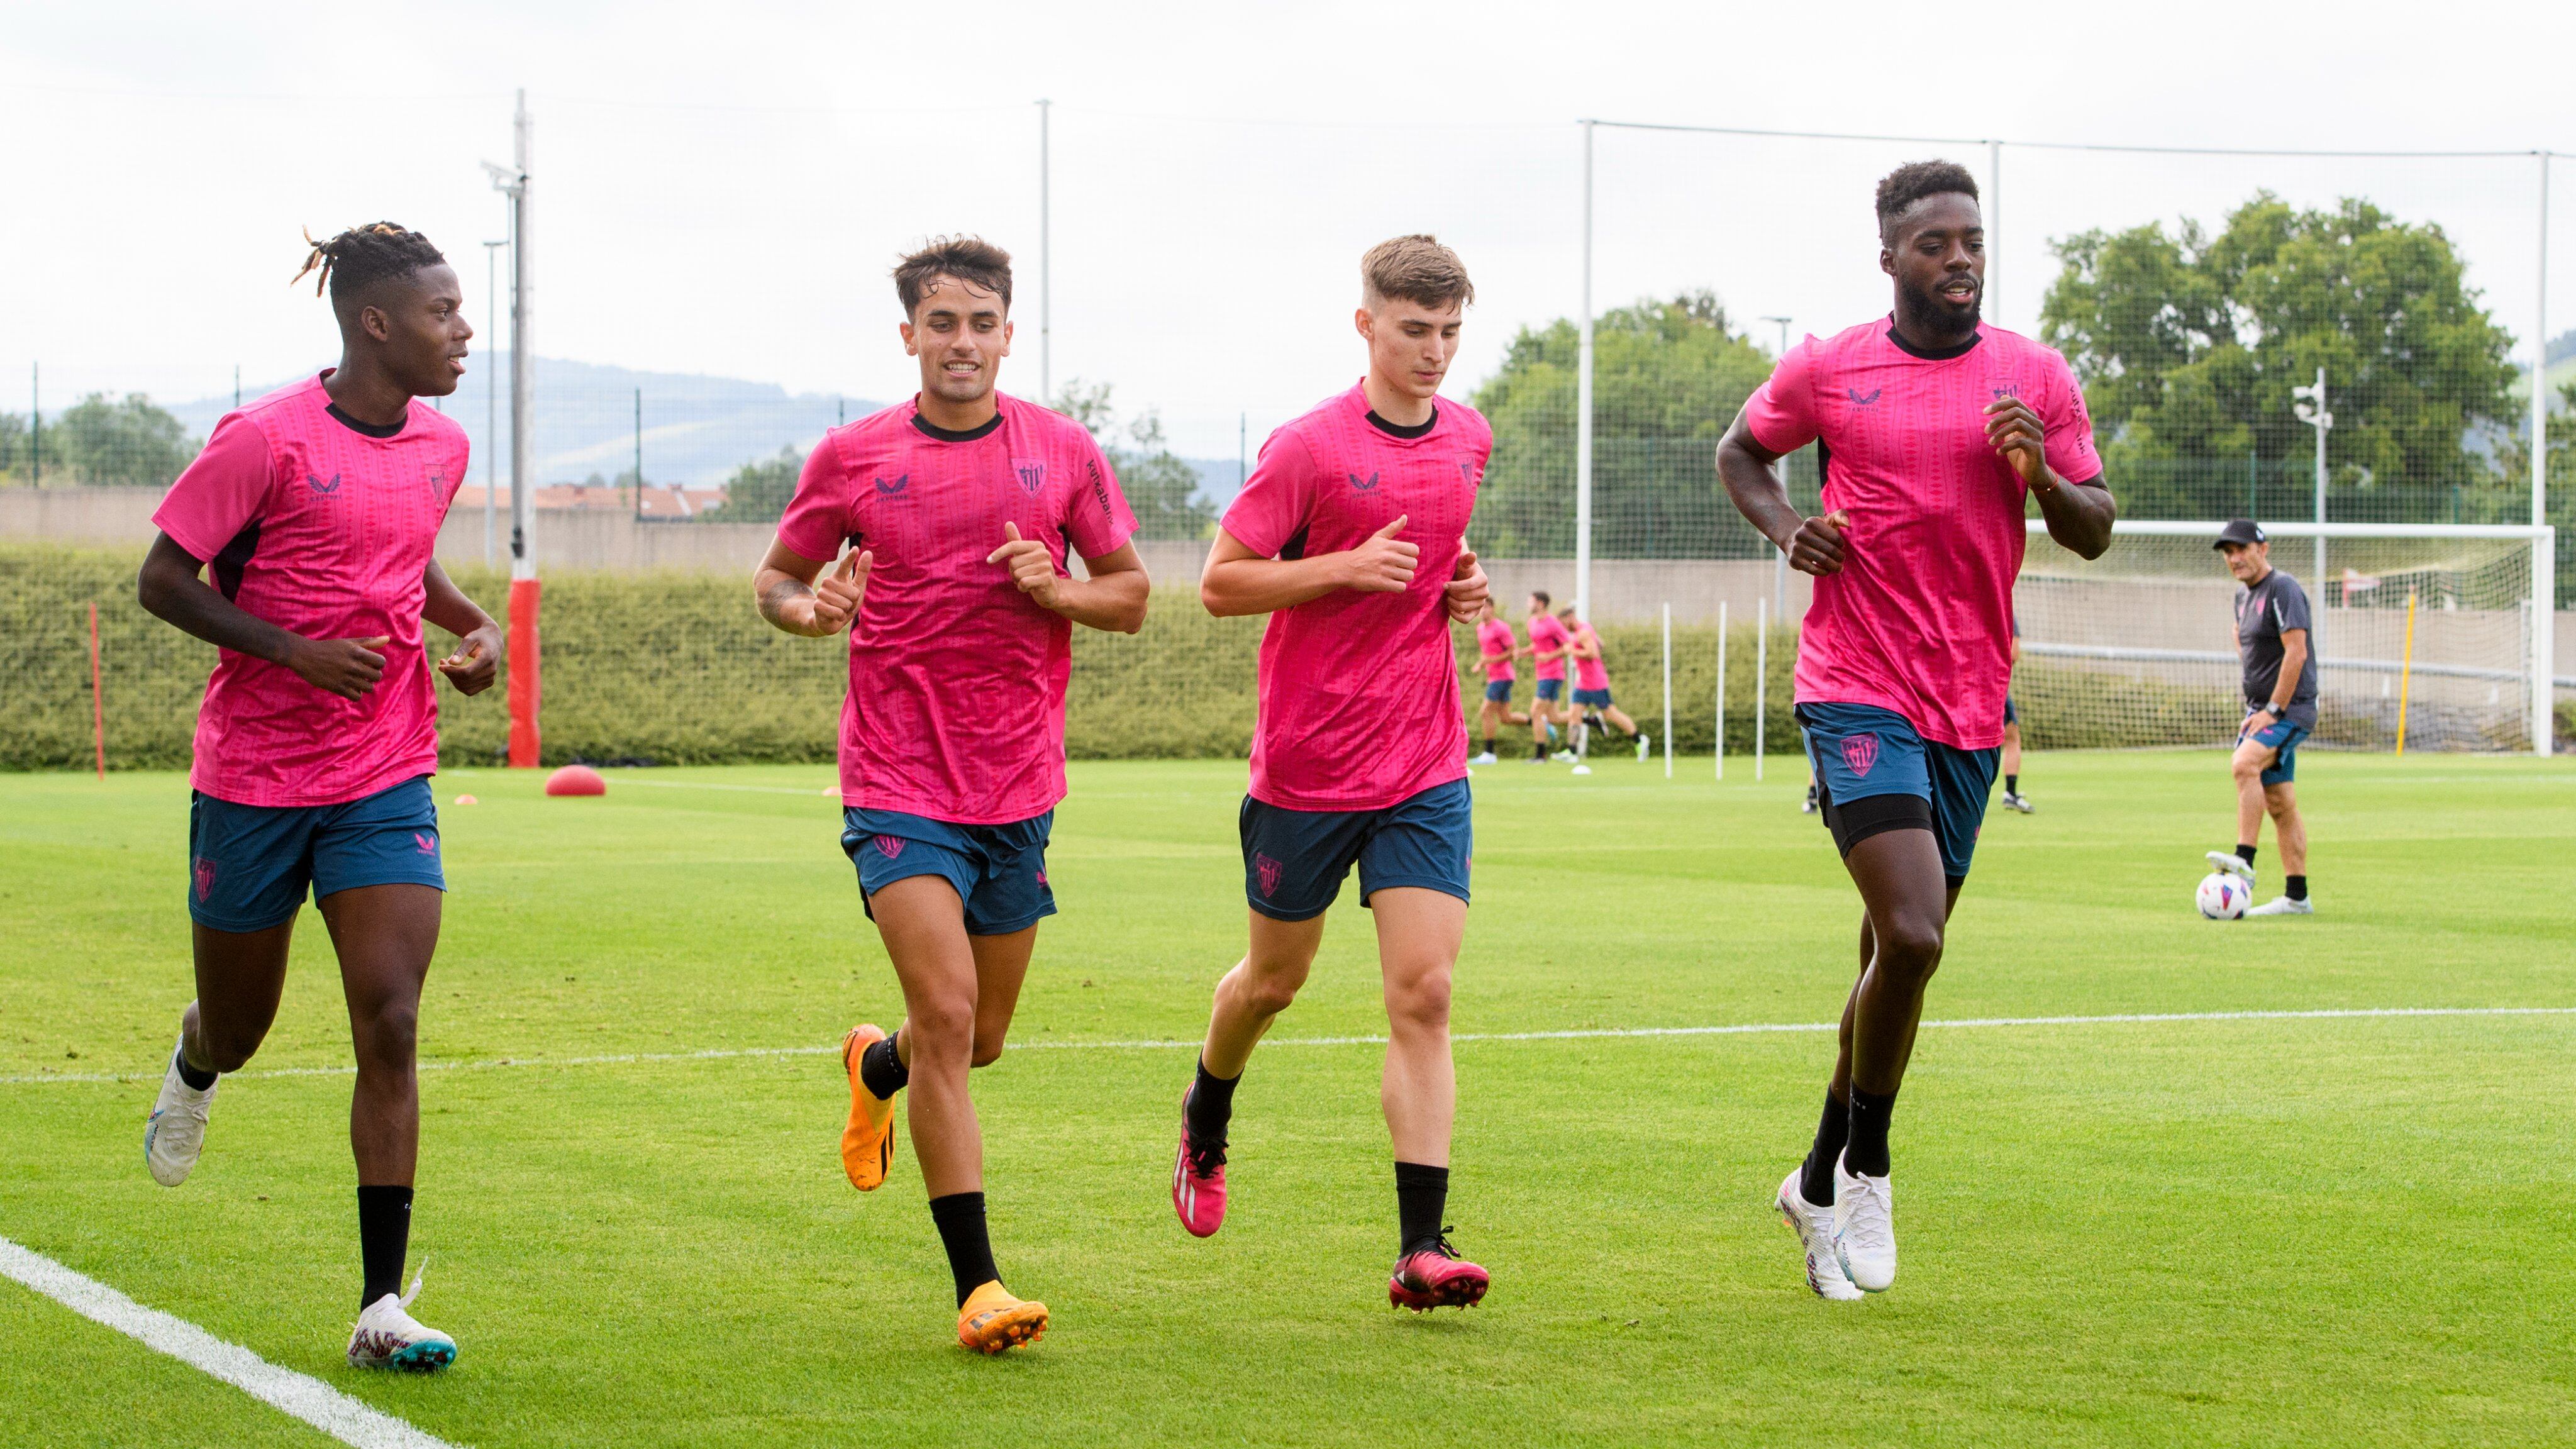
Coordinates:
1668	690
1721	690
1761	678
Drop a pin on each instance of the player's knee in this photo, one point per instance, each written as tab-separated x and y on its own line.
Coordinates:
1420	1003
226	1051
942	1028
389	1036
1272	992
988	1048
2247	767
1910	950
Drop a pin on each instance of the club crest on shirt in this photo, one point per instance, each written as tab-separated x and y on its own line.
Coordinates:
326	489
204	871
1869	401
1032	473
893	487
436	477
1860	752
1268	870
1469	474
1363	485
889	846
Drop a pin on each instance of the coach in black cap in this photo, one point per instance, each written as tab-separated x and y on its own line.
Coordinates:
2272	640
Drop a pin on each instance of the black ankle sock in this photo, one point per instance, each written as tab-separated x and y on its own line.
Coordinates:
2245	853
960	1219
1816	1179
2012	784
1865	1152
2297	885
197	1081
1489	744
1211	1105
384	1236
881	1068
1421	1199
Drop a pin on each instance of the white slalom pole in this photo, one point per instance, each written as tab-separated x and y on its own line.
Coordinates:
1668	689
1721	689
1761	679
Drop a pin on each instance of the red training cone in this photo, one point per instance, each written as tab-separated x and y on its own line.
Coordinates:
576	780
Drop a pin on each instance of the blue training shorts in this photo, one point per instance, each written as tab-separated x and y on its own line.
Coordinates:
998	871
1593	698
1550	688
2009	717
249	866
1872	765
1498	691
2282	738
1294	860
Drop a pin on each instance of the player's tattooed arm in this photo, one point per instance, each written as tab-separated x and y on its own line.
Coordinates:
170	589
2079	514
790	599
477	659
1744	466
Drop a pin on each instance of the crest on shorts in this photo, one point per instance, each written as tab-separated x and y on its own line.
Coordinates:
205	874
1032	473
1268	870
1041	875
1860	752
889	846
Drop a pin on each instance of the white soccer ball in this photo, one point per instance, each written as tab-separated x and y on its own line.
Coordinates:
2222	895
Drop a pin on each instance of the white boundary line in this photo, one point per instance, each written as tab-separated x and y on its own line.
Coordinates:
1156	1044
301	1395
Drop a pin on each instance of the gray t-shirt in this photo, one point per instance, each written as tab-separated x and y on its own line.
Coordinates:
2262	612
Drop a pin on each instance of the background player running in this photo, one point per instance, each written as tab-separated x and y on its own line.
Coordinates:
1350	534
1548	650
1496	646
958	507
1592	692
2013	797
319	507
2272	633
1936	430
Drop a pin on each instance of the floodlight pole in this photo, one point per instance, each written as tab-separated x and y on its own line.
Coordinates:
2310	408
2544	592
1583	409
1046	260
1994	219
1780	556
523	650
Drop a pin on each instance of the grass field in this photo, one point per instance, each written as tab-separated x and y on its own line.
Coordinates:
2208	1232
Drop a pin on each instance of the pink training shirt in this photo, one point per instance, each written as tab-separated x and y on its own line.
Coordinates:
1359	695
957	679
1919	621
1589	673
1547	634
324	531
1495	640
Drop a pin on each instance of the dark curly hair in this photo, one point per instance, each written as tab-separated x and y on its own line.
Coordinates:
362	256
1913	181
970	259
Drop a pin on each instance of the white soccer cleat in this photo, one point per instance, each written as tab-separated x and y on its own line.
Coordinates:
1643	742
1565	757
1815	1229
1864	1230
1583	769
1487	758
2232	863
388	1337
176	1133
2021	803
2282	906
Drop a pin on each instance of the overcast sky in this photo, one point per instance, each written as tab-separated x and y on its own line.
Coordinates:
721	189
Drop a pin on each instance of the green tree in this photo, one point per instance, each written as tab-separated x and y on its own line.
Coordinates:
15	455
759	491
1160	485
1668	376
2188	345
126	442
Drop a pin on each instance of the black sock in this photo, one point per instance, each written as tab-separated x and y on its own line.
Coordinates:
960	1218
197	1081
1865	1153
881	1068
2297	886
1489	744
384	1236
2245	853
2012	784
1421	1199
1816	1179
1211	1105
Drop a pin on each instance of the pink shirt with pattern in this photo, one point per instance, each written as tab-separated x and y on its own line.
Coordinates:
1547	634
957	679
1589	673
1495	641
1359	701
326	532
1919	621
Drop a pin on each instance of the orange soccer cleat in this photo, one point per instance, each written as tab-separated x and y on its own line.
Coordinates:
867	1143
993	1320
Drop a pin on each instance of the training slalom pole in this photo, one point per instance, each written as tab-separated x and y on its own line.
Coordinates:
1668	689
1761	678
1721	689
2405	673
99	702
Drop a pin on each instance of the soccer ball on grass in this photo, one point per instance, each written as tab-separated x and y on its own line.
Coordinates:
2222	896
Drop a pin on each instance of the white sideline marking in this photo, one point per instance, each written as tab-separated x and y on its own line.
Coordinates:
1158	1044
305	1397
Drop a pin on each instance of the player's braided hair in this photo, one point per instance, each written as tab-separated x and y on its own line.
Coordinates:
362	256
1913	181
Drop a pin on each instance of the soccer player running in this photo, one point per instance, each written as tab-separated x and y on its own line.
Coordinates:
2013	797
958	507
1937	428
1350	534
1592	693
1497	646
2272	633
1549	646
318	509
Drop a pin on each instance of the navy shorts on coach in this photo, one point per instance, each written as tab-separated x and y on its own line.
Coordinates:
2282	738
1872	765
1294	860
999	871
249	866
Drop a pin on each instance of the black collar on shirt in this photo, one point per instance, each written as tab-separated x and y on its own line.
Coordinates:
983	429
370	430
1399	430
1934	354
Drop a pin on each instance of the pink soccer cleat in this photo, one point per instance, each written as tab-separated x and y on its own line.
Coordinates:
1198	1181
1436	1277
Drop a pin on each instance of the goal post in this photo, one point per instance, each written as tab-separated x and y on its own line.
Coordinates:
2136	648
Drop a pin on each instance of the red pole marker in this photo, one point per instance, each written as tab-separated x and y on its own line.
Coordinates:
525	680
97	702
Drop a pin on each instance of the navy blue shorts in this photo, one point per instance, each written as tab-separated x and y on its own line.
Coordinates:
2008	711
1593	698
998	871
249	866
1875	772
1498	691
2282	738
1550	688
1294	860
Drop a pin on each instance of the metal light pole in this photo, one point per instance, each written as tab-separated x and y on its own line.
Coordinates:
1046	261
491	399
512	181
2310	407
1780	557
1994	218
2540	365
1583	409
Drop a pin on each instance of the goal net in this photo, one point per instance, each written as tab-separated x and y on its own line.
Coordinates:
2436	629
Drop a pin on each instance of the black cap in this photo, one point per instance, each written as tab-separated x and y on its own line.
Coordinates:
2240	530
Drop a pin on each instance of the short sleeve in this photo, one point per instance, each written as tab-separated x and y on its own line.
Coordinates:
817	520
2069	426
1781	414
222	492
1097	519
1272	507
2290	606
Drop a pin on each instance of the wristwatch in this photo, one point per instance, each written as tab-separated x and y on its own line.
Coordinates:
2275	709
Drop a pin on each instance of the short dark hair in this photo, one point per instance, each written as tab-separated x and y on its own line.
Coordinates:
1913	181
970	259
1541	596
1416	268
362	256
